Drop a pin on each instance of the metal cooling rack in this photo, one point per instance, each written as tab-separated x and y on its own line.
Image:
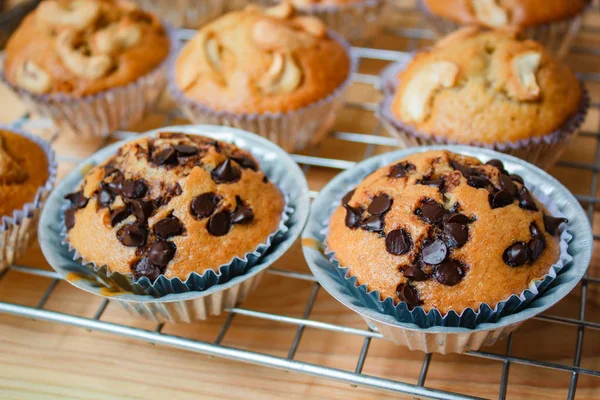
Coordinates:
356	377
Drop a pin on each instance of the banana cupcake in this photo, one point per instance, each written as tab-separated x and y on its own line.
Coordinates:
27	174
486	88
93	66
554	23
443	232
266	71
164	211
355	20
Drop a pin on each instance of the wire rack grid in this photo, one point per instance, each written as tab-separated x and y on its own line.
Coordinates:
355	377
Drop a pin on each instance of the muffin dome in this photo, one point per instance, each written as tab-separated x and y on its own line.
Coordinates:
172	205
500	13
82	47
486	87
23	170
256	61
444	231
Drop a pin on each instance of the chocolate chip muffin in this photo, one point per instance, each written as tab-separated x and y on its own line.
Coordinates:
24	168
172	205
82	47
554	23
487	88
444	231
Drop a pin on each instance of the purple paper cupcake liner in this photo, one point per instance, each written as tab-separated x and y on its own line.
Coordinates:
17	231
556	36
293	130
468	318
355	22
100	114
186	13
542	151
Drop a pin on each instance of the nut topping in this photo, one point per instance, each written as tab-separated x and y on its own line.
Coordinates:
78	59
283	10
489	13
418	96
523	84
31	77
283	75
115	38
78	14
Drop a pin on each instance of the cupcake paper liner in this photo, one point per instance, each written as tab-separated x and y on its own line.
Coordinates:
356	22
542	151
18	230
186	13
470	330
104	112
188	304
555	36
293	130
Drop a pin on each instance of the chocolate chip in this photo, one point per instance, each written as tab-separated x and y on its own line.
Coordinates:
507	184
168	227
463	169
526	200
552	224
516	254
535	231
353	216
407	293
380	204
434	253
348	196
373	224
161	252
116	185
132	235
119	215
457	234
449	272
536	247
431	212
145	268
498	164
219	224
77	199
185	150
245	162
501	199
70	218
226	172
437	183
165	157
203	205
401	169
517	178
243	214
415	273
477	181
104	198
398	242
457	218
109	170
141	209
134	189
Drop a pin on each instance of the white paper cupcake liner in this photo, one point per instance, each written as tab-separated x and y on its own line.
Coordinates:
542	151
430	332
468	318
293	130
355	22
18	230
100	114
186	13
189	305
555	36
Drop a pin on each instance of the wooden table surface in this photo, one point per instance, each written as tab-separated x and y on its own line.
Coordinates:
48	360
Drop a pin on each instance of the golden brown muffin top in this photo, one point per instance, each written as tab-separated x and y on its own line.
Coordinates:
486	87
82	47
23	170
441	230
256	61
311	3
172	205
501	13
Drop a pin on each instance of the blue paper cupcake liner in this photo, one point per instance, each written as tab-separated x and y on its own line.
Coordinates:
195	282
360	296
